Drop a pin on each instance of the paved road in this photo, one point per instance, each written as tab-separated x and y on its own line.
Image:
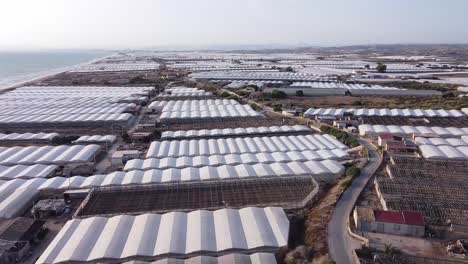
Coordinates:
340	243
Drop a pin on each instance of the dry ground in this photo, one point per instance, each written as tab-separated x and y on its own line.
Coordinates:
330	101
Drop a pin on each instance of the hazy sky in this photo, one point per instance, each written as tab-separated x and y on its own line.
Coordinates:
153	23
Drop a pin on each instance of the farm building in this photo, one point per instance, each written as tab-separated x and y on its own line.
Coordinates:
256	258
236	132
222	146
436	188
405	223
288	192
55	108
27	138
171	235
410	131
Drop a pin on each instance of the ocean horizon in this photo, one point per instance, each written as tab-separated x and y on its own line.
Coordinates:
21	66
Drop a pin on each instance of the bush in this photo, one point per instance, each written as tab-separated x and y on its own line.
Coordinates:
278	94
340	135
299	93
255	106
277	108
64	140
126	137
353	171
381	67
225	94
345	183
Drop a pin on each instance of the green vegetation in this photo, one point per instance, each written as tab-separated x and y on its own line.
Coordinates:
353	171
299	93
344	184
255	107
63	140
442	87
126	137
340	135
381	67
225	94
277	108
277	94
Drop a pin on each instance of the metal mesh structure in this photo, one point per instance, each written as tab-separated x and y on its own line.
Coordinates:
417	121
436	188
289	193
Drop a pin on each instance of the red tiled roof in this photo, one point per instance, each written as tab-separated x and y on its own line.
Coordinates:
389	217
413	218
405	217
400	145
386	136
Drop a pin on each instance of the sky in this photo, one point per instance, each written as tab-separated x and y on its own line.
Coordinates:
117	24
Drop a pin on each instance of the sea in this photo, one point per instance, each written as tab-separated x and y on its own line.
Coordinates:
20	66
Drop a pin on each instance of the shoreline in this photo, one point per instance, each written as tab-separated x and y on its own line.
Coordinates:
44	74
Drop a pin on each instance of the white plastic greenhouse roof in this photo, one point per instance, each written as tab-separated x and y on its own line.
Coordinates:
184	91
213	111
373	130
444	152
103	67
224	146
48	154
96	139
56	104
235	159
454	142
337	85
181	89
185	94
233	131
65	118
188	105
15	201
384	112
256	75
257	258
322	170
25	171
173	234
28	136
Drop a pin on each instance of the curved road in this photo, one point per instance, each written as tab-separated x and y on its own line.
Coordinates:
340	243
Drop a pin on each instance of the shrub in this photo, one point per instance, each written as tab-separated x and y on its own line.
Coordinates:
278	94
126	137
353	171
255	107
225	94
300	93
340	135
381	67
277	108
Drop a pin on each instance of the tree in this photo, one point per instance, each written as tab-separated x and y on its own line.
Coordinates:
299	93
367	66
381	67
278	94
126	137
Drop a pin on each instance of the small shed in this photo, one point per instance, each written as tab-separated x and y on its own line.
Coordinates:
120	157
404	223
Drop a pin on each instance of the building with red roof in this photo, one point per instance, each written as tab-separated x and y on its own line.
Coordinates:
405	223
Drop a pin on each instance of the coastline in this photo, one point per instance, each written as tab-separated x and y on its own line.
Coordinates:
22	80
